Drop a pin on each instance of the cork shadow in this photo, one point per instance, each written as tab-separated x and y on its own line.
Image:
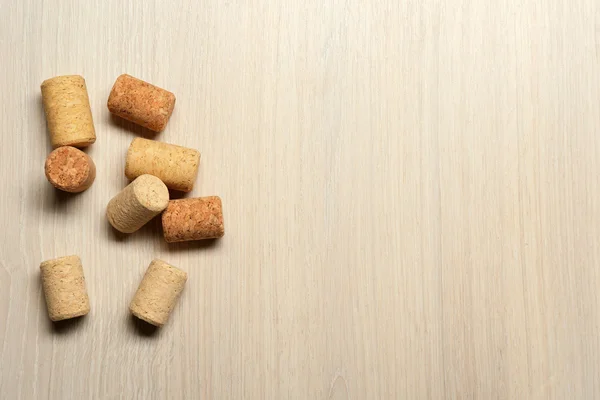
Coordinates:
115	234
136	129
66	326
176	194
152	229
59	201
209	244
142	328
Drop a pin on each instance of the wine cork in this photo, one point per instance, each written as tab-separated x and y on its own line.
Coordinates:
158	293
64	288
68	112
70	169
176	166
142	200
193	219
141	103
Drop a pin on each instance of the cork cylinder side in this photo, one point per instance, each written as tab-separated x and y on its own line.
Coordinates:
176	166
70	169
143	199
68	112
193	219
158	293
64	288
141	102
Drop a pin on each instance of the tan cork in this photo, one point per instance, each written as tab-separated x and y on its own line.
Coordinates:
68	112
140	102
70	169
142	200
193	219
64	288
158	293
176	166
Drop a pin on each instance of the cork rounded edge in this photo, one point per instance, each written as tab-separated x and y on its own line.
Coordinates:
165	265
110	104
59	80
141	316
172	107
124	76
166	228
76	314
91	174
55	261
128	173
222	232
109	214
217	199
163	124
80	143
169	238
156	128
190	186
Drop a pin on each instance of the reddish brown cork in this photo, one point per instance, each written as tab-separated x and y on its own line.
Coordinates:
141	103
193	219
70	169
64	288
158	293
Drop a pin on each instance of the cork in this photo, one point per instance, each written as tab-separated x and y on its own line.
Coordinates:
68	112
70	169
64	288
176	166
142	200
193	219
158	293
141	103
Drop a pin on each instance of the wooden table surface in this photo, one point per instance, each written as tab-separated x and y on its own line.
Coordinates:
409	188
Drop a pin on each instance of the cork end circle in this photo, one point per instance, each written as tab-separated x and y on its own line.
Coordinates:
70	169
151	192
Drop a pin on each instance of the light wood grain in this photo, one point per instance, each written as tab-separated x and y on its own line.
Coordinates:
409	187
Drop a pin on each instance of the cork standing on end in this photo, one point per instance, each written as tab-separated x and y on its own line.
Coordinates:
176	166
193	219
68	113
70	169
158	293
141	102
64	288
143	199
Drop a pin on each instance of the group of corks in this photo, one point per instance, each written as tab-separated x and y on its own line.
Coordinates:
153	167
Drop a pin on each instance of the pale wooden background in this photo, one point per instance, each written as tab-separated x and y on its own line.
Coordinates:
410	192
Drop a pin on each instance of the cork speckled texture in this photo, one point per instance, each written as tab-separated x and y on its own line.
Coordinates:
68	113
193	219
158	293
64	288
143	199
141	102
176	166
70	169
